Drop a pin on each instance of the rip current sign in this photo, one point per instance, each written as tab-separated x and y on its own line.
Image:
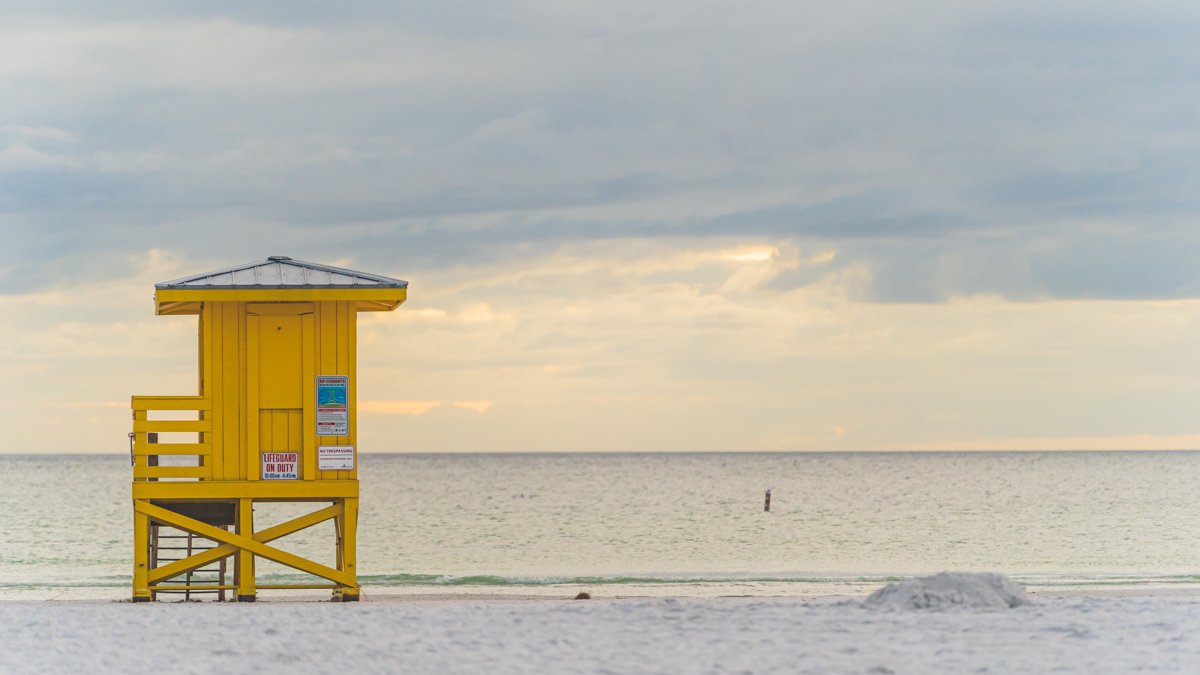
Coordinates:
333	415
280	465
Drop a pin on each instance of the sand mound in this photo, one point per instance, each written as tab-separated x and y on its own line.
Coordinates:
974	590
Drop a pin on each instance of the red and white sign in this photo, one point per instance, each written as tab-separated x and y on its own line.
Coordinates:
280	465
335	457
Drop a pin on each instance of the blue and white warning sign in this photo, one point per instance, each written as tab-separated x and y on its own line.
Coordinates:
333	414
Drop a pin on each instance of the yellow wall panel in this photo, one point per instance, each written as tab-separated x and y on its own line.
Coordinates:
253	447
212	386
279	437
258	364
231	385
280	347
264	432
294	441
345	322
309	414
352	395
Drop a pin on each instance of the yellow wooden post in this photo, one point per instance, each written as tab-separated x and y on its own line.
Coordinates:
352	367
245	559
141	556
309	393
267	331
349	545
339	532
253	437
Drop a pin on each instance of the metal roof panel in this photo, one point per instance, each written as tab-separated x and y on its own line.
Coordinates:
282	272
243	277
291	275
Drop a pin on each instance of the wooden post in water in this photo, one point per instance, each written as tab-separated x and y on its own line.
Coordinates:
767	501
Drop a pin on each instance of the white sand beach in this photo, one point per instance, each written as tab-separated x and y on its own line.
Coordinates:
466	634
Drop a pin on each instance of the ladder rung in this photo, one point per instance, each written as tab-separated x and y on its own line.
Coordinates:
210	579
185	548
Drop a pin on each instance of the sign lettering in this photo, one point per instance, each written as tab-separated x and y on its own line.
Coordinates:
280	465
335	457
333	413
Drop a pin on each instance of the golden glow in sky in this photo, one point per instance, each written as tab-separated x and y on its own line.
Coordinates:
627	226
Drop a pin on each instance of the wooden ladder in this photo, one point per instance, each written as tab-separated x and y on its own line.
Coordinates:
180	545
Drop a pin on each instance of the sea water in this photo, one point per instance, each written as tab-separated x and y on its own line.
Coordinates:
665	524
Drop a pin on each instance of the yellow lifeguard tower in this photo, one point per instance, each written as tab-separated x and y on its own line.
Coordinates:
274	421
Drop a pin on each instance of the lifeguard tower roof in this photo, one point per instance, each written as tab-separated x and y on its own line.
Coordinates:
279	278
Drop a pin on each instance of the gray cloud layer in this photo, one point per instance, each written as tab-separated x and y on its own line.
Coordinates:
1020	149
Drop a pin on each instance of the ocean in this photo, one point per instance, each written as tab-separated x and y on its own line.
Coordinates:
667	524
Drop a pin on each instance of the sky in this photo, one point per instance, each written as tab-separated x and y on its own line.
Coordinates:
627	226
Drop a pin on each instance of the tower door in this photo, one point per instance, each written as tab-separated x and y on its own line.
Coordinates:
280	377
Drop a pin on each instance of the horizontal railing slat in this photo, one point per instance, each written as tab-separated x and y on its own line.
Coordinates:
203	449
172	472
171	403
205	587
283	587
167	426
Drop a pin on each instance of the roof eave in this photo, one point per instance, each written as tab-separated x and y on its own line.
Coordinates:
367	299
169	286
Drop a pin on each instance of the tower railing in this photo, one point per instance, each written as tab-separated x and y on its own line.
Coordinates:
146	449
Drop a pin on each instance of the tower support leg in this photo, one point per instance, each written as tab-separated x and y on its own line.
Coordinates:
246	592
347	545
141	557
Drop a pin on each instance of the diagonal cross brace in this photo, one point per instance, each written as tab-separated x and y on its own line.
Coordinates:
225	550
245	543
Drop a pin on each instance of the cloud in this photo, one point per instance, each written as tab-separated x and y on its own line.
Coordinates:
441	136
21	157
477	406
893	216
660	341
480	313
123	405
1113	443
36	133
397	407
